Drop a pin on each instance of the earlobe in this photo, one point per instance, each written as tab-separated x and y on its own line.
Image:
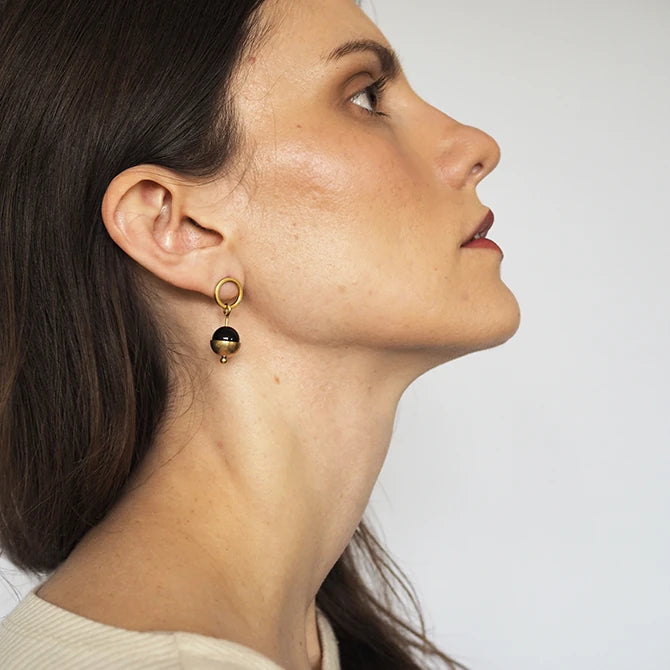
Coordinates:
152	216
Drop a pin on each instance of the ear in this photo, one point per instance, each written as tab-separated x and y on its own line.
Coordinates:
165	224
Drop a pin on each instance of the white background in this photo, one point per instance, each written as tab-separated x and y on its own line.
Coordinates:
526	489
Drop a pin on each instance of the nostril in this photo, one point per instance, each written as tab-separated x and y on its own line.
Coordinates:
476	169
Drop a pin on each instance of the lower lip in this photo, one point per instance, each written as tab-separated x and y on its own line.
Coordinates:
483	243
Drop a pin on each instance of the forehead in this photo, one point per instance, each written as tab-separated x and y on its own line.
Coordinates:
301	33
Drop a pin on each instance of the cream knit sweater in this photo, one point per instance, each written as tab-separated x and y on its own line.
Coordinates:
38	635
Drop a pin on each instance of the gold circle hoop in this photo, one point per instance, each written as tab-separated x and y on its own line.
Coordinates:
225	305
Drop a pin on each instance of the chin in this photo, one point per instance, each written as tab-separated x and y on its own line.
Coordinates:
505	324
488	329
453	334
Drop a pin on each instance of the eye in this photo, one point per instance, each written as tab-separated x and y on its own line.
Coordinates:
370	97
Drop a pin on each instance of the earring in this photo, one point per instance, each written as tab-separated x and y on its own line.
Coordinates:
226	340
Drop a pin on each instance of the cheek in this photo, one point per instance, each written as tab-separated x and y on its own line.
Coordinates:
341	171
341	226
323	196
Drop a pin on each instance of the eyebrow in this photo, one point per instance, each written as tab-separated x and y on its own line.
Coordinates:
388	59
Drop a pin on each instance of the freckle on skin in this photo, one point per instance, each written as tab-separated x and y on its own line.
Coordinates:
341	288
277	380
252	59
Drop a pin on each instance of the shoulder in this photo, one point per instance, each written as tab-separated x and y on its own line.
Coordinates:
38	634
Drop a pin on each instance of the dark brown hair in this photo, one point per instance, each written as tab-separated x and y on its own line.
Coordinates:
87	90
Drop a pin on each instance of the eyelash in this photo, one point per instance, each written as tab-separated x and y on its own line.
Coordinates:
375	92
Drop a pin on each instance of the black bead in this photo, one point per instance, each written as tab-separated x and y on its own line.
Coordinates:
226	334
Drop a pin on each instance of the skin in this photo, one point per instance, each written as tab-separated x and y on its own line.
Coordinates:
345	229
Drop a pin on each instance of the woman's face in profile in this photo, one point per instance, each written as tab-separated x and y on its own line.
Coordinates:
357	196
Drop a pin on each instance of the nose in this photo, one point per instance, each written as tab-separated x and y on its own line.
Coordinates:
466	155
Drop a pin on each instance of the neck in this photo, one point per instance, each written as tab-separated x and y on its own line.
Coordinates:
254	489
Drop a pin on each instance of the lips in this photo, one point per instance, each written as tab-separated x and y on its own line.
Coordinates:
481	229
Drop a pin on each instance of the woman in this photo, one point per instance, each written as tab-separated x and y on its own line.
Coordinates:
186	184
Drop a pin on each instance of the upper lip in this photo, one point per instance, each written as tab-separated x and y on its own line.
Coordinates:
482	227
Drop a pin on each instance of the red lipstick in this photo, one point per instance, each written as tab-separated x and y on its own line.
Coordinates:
478	239
483	243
